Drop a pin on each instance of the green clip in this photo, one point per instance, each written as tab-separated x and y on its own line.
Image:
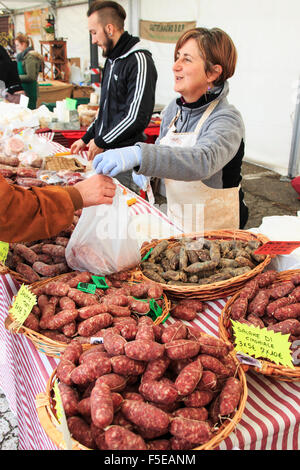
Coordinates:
86	287
147	254
100	282
155	309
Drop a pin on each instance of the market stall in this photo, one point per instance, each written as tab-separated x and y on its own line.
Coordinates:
270	418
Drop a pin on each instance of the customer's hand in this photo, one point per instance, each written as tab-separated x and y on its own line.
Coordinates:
113	162
93	150
98	189
77	146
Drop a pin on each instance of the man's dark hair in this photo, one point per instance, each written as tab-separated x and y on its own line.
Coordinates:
108	12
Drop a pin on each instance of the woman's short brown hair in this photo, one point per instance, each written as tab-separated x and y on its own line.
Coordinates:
215	47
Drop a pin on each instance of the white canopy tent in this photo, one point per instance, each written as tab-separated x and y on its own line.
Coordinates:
265	87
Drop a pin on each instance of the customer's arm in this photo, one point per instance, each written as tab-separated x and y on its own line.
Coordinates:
28	215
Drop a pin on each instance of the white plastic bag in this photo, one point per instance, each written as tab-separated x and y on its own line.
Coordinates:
101	242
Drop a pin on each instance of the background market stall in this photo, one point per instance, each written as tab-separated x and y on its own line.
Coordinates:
265	87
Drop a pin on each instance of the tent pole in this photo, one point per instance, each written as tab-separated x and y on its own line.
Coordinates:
134	10
94	64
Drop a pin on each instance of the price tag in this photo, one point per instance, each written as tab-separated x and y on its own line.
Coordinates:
61	417
263	343
86	287
4	247
147	255
277	248
131	201
96	340
100	282
22	306
248	360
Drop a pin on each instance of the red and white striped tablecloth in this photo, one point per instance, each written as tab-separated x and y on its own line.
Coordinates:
270	420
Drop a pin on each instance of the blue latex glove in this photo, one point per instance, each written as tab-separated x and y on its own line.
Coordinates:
113	162
141	181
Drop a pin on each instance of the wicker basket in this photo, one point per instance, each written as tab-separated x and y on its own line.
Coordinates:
279	372
16	276
218	289
55	348
47	415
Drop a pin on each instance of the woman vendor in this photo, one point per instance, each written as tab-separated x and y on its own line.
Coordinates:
29	66
200	148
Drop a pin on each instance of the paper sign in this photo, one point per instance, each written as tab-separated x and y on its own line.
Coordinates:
263	343
277	248
61	417
23	303
168	32
4	247
24	100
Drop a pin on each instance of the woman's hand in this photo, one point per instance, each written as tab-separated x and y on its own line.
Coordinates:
98	189
113	162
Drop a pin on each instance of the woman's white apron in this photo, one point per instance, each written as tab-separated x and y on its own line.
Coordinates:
193	206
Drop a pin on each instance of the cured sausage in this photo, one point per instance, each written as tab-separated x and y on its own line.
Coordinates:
145	415
102	409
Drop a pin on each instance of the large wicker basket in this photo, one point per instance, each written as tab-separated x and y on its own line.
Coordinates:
218	289
279	372
45	405
55	348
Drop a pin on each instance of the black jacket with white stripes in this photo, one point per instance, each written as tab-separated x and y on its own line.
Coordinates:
127	96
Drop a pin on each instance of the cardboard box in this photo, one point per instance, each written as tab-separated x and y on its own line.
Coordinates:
82	91
75	61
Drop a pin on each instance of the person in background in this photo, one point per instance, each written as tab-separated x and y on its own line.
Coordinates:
9	74
29	66
40	213
200	148
128	85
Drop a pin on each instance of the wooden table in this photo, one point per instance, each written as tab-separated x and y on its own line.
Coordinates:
53	90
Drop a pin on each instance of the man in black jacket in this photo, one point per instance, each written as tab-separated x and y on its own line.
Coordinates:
9	74
127	87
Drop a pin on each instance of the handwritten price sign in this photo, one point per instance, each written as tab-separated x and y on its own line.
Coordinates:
263	343
277	248
4	247
61	417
